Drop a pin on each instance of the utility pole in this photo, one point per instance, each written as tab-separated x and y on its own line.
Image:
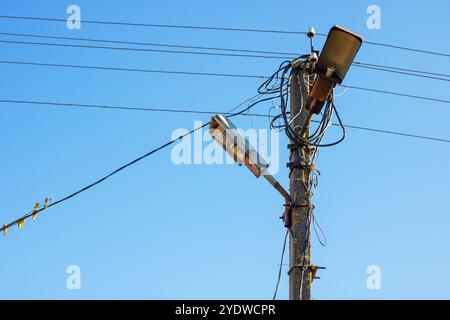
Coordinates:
301	272
325	72
311	84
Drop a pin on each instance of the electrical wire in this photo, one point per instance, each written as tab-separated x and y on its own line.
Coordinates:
403	134
227	75
279	83
94	67
152	44
153	25
383	69
305	249
317	229
196	27
274	89
405	71
141	49
192	111
296	73
270	89
401	72
359	63
281	265
395	93
392	46
35	212
20	221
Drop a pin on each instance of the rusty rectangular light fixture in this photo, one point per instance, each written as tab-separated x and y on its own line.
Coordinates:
337	56
338	53
239	148
236	145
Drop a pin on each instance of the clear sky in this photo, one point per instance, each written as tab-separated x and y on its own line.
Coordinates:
161	231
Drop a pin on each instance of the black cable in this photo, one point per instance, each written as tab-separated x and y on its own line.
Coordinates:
358	63
6	226
132	69
383	69
290	54
281	264
397	133
344	134
152	25
395	93
34	212
194	27
190	111
141	49
233	55
306	247
407	48
316	226
202	74
145	43
401	72
99	106
316	138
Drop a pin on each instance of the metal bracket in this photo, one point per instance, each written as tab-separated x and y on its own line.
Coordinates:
310	268
298	165
295	146
294	164
313	270
287	214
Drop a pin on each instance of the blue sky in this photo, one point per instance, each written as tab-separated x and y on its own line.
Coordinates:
161	231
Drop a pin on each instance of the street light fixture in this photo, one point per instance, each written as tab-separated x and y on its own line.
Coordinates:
240	149
236	145
337	55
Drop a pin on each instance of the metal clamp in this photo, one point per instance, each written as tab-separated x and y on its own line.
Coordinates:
297	164
309	268
287	214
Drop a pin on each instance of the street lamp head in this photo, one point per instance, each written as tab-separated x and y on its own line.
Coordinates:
337	55
236	145
239	148
338	52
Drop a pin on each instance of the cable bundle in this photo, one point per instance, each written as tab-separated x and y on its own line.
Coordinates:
278	86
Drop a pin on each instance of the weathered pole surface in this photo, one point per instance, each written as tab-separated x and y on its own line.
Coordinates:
300	275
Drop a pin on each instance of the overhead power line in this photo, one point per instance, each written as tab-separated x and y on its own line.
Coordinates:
406	95
392	46
21	221
290	55
143	50
358	63
196	111
154	25
140	43
384	69
261	54
196	27
212	74
409	135
94	67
